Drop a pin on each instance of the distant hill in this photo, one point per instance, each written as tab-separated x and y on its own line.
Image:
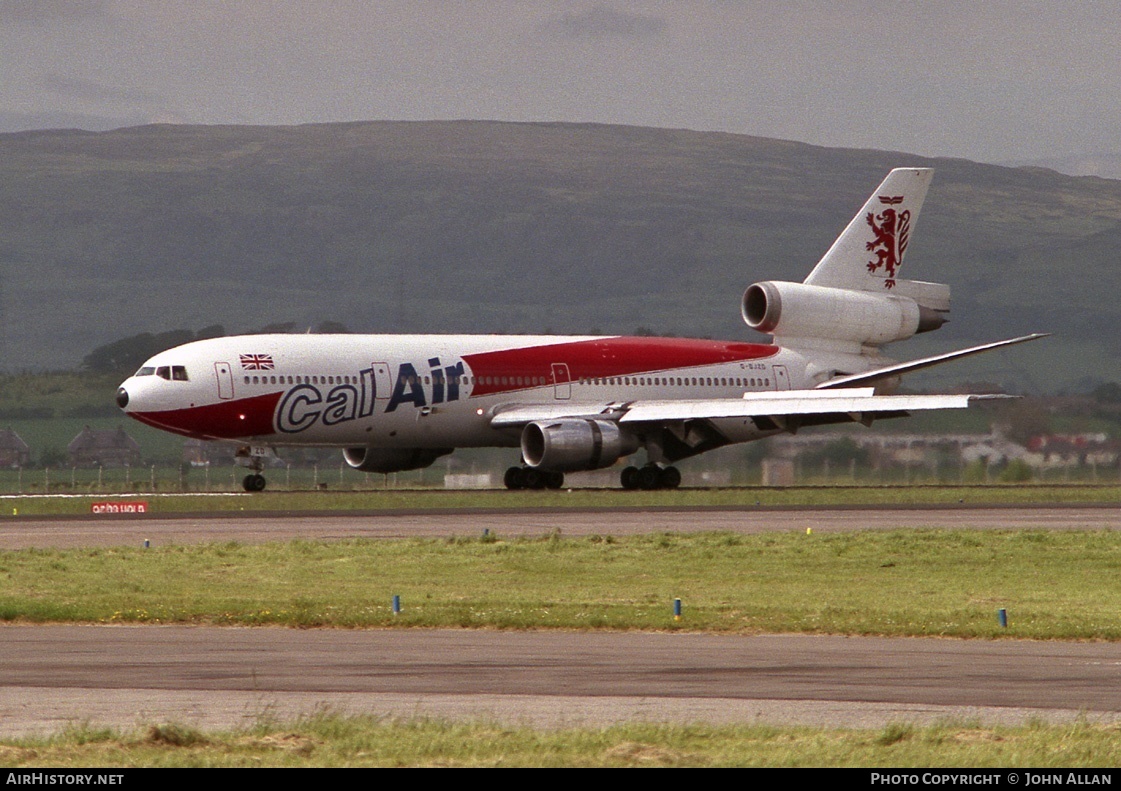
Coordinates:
504	227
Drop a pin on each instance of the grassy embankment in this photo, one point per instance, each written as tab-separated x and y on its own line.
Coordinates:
330	740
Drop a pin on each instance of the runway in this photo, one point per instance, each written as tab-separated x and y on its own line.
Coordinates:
230	677
24	532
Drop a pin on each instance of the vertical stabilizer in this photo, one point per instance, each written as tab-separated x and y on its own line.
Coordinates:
869	254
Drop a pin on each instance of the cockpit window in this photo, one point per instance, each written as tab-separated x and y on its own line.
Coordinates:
147	370
169	372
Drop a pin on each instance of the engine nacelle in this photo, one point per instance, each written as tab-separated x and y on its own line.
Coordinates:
571	445
797	310
392	459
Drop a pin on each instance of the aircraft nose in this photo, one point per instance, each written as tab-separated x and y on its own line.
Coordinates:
122	397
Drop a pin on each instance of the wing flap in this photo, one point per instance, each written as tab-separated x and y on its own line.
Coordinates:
854	403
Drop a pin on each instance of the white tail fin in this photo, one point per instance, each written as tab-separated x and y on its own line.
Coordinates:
868	255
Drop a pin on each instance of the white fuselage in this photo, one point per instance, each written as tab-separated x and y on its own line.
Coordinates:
433	390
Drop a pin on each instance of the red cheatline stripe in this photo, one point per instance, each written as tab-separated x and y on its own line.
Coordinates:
245	417
605	357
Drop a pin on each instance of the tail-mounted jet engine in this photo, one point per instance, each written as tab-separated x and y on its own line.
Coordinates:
797	310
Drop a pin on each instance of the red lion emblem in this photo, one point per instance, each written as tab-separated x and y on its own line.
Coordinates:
890	230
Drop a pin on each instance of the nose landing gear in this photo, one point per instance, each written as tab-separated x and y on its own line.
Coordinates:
254	458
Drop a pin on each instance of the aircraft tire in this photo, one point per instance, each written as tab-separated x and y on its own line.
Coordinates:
649	477
534	478
629	478
254	483
554	480
514	479
670	478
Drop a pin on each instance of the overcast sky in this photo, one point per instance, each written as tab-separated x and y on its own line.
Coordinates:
1002	81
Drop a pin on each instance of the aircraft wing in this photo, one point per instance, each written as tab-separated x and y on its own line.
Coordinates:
517	415
856	404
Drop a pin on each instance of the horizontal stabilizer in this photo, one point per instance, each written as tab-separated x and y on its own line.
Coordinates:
887	372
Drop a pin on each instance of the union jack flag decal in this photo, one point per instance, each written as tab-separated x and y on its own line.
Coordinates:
257	362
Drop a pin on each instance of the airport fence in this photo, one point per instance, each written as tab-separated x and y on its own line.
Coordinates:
340	477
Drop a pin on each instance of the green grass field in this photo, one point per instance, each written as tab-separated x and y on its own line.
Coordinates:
1054	585
330	740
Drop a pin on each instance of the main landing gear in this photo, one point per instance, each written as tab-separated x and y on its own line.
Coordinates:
649	477
532	478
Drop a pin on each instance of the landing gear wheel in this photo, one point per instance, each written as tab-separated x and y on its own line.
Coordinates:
649	477
671	478
532	478
254	483
514	478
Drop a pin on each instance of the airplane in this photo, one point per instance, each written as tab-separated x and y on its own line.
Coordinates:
399	402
